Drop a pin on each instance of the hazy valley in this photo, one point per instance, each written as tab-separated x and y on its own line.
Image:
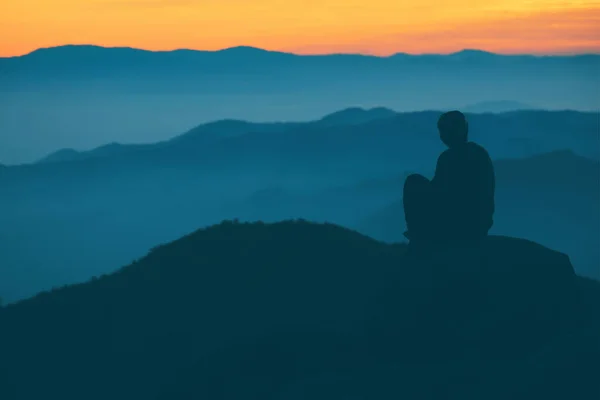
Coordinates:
75	214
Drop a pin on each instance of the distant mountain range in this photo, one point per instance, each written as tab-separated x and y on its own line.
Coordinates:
85	96
295	309
497	107
243	69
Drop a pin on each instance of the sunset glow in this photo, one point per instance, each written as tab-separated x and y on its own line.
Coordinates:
306	26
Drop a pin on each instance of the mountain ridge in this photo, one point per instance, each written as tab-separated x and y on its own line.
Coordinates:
232	128
225	128
157	94
253	49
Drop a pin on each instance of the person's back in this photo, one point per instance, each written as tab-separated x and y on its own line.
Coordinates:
464	182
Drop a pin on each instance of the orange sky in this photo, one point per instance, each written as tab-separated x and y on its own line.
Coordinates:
305	26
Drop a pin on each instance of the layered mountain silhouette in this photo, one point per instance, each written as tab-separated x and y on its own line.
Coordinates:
294	309
74	63
345	173
376	128
298	310
65	64
209	133
85	96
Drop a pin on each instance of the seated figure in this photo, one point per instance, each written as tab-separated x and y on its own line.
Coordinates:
458	203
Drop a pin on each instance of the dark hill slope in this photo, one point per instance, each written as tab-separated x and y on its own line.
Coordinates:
297	310
434	333
122	335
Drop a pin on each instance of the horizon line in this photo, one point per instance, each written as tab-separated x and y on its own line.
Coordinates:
307	54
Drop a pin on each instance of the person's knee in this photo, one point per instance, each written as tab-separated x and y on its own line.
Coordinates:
417	196
415	180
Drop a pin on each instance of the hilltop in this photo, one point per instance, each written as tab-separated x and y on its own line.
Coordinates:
275	311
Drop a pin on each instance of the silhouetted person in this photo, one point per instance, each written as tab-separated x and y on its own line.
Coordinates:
458	203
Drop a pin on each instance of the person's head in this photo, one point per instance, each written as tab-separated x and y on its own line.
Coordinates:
453	128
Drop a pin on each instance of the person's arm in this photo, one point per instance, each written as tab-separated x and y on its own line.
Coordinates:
492	173
492	182
440	179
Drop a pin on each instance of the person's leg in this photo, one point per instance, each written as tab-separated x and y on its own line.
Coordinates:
418	200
